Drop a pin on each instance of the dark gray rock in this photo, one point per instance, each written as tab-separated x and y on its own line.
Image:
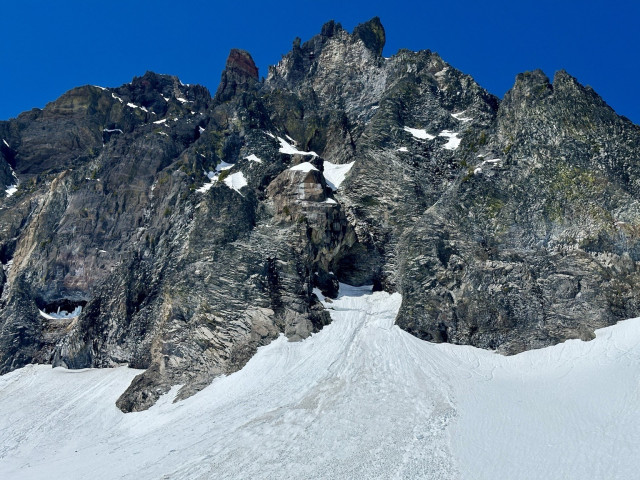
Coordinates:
372	35
239	75
178	225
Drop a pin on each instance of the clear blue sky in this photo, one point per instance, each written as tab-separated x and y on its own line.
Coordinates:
48	47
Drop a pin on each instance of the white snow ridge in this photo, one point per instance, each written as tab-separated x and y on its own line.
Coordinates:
361	399
303	167
459	116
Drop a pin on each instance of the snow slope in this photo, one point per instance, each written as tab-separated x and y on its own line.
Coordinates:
361	399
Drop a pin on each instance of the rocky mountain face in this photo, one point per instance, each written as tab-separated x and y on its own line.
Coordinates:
161	227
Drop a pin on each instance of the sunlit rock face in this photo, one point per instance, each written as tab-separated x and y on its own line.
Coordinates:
192	229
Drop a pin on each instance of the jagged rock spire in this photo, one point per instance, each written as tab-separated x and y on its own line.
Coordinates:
239	73
372	34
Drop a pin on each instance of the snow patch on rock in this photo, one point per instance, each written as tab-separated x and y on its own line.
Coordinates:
213	176
454	139
419	133
303	167
335	173
286	147
133	105
236	181
11	189
61	314
253	158
459	116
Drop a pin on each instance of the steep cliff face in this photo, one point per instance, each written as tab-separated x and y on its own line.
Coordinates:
538	242
180	232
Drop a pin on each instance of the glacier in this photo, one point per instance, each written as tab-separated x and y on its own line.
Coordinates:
361	399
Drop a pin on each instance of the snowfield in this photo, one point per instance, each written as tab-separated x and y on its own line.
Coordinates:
361	399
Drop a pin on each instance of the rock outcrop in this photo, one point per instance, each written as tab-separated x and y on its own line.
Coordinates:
239	75
179	231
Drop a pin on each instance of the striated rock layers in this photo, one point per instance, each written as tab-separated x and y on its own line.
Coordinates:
184	231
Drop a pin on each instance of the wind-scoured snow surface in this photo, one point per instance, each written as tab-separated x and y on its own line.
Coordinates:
361	399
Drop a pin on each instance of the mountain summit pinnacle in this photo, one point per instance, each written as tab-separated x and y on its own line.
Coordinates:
240	71
372	34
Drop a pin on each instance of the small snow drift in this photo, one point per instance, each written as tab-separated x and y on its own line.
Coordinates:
60	309
253	158
454	140
459	116
61	314
11	189
206	187
419	133
236	181
213	176
335	173
286	147
133	105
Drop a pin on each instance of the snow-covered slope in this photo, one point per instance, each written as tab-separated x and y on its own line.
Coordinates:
361	399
